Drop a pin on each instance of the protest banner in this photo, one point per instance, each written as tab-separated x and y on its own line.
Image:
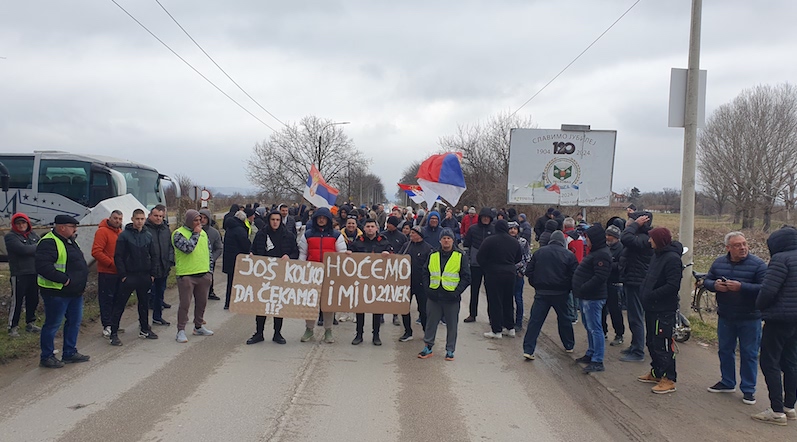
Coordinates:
287	288
366	283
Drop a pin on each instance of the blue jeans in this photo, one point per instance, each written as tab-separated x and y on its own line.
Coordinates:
748	334
156	297
591	315
56	308
539	311
519	302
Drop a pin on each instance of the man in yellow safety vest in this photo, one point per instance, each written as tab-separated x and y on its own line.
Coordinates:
192	267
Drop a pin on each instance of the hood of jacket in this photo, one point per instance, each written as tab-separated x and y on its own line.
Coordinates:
501	226
322	211
104	225
486	211
22	216
648	225
551	225
782	240
674	247
557	237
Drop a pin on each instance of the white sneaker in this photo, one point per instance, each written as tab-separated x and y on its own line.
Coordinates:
770	417
791	413
529	356
203	331
106	332
181	337
511	333
491	335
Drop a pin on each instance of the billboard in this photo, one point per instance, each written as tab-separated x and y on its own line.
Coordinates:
565	168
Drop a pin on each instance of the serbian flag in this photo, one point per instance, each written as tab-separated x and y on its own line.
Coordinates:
414	191
317	191
441	175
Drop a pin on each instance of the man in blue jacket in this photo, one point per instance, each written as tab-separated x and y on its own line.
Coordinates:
736	277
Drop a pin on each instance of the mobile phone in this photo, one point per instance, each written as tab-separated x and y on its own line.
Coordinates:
724	279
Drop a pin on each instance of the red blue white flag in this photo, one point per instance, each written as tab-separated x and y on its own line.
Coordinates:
317	191
441	175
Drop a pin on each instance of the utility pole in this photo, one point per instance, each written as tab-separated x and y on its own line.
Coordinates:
687	227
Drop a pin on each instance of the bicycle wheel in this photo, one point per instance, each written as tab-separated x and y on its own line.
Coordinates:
707	306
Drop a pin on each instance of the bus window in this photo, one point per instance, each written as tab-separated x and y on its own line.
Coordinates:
65	177
143	184
102	187
21	171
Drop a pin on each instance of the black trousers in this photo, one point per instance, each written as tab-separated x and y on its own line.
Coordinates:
140	284
377	319
658	328
107	289
229	290
24	288
500	288
476	276
612	308
420	297
778	362
260	323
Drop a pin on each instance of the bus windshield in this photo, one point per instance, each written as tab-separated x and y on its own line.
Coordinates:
142	184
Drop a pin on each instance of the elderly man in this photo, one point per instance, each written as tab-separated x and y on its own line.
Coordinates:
737	277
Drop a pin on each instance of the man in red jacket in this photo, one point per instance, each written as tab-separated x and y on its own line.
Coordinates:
468	220
103	250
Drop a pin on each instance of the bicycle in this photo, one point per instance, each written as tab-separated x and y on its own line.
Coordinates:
704	301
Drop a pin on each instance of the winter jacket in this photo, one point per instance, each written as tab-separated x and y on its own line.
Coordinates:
432	234
500	253
275	243
440	294
551	269
637	251
539	227
777	299
467	221
395	238
133	254
377	244
452	224
290	223
525	253
750	271
77	271
162	249
21	248
236	241
659	289
349	237
216	243
104	247
574	243
616	250
550	226
476	235
525	231
318	240
591	275
419	255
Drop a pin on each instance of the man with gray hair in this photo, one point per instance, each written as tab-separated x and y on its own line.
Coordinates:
736	277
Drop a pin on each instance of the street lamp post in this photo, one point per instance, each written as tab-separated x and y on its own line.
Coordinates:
320	134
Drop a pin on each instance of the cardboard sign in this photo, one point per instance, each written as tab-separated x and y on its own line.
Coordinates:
286	288
366	283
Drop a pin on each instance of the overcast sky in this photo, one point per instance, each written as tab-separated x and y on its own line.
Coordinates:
81	76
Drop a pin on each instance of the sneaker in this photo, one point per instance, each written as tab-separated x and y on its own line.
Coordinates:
625	351
203	331
449	356
791	413
770	417
147	334
569	350
511	333
518	328
161	322
426	353
594	367
75	358
320	322
418	321
257	337
181	337
377	341
13	332
749	399
214	297
618	340
443	321
278	339
358	339
584	360
334	321
632	358
405	337
648	378
106	331
574	321
115	341
664	386
382	319
308	335
328	337
120	330
469	319
491	335
226	307
51	362
719	387
165	305
396	321
32	328
528	356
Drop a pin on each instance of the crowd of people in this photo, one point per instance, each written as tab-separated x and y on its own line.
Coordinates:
595	270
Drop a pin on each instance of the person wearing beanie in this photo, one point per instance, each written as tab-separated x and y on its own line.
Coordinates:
589	285
468	219
236	241
192	267
260	218
614	287
539	225
450	221
251	229
216	245
550	226
419	251
659	295
393	234
498	257
431	231
637	253
370	242
21	242
550	272
525	228
473	241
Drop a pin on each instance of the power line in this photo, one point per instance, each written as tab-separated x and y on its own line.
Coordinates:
576	59
214	62
192	67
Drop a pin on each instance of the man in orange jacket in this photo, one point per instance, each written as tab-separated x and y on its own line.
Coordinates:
103	250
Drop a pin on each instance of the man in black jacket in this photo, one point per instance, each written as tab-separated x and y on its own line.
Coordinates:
589	285
419	251
163	258
445	277
21	244
370	242
498	257
134	267
236	241
778	304
473	241
614	287
278	242
659	295
392	234
63	274
637	253
550	272
539	225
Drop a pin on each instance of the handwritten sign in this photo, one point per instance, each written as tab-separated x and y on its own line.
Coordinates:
268	286
366	283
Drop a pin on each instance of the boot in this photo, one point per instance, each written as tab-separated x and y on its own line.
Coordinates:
664	386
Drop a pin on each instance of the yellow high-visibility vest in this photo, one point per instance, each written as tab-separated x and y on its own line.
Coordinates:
449	277
193	263
60	263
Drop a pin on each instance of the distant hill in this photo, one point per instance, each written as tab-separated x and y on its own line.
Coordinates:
232	190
